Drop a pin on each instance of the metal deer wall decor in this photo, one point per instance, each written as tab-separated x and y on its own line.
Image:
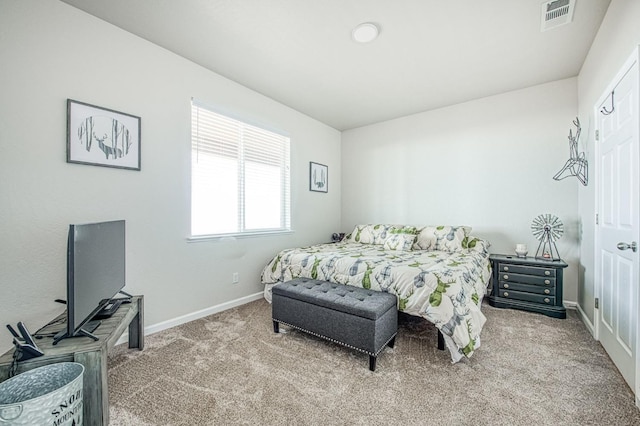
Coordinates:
577	164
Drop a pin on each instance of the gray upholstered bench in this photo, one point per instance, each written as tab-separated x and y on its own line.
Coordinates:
360	319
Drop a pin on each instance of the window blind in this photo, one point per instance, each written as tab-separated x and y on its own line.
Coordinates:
240	179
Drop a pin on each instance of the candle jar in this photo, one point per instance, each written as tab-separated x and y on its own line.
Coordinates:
521	250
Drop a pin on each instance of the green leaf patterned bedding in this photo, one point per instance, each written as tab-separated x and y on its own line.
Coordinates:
446	288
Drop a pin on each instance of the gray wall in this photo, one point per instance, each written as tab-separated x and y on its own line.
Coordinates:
488	164
49	52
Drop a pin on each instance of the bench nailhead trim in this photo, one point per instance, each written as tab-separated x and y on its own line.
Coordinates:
337	341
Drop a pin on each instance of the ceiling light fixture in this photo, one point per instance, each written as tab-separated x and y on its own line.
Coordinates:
365	32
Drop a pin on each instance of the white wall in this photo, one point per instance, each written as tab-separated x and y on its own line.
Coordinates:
617	38
488	163
49	52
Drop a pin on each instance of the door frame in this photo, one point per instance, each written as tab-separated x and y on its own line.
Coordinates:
634	59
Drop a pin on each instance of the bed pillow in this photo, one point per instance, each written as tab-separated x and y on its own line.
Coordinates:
442	238
399	241
476	244
370	234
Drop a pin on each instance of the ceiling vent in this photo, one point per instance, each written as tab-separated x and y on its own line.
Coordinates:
556	13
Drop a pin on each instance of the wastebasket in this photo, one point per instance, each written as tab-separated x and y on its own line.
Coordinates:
49	395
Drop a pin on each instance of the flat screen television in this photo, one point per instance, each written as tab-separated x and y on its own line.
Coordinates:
95	273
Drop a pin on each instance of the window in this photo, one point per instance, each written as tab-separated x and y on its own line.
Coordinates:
239	176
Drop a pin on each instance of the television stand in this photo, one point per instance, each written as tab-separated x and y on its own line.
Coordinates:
85	331
90	353
91	326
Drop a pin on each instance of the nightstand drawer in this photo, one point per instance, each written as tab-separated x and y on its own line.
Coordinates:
529	297
528	270
527	279
547	291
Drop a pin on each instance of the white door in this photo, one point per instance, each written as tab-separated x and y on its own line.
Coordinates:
619	213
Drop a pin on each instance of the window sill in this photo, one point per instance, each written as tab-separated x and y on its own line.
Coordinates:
222	237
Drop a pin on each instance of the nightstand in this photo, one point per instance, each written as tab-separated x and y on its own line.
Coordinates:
527	283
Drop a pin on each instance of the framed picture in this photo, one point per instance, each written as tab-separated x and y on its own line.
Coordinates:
318	177
102	137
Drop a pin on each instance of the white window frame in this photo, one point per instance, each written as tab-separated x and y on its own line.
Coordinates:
278	141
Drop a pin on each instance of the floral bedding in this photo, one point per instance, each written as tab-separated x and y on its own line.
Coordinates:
445	286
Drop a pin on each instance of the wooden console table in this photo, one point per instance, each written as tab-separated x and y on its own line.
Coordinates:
91	354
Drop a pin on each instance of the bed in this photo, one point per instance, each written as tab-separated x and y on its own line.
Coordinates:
439	273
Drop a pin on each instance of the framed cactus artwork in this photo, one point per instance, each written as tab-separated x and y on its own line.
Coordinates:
318	177
102	137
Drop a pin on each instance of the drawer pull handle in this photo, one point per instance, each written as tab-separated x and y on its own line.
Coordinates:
505	276
547	291
505	294
547	273
505	285
547	282
547	300
506	268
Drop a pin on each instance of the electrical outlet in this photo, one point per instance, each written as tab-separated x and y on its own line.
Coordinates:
235	278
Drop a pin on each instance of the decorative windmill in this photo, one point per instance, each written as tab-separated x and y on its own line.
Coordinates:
547	228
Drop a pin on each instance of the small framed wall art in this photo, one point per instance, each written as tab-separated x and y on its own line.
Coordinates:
102	137
318	177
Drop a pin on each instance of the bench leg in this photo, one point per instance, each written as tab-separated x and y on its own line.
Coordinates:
276	326
440	341
372	363
392	342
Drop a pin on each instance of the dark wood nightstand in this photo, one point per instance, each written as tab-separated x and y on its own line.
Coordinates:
527	283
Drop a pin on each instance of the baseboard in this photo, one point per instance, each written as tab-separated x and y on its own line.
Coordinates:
586	321
583	316
164	325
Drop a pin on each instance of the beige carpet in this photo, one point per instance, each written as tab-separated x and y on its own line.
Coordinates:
230	368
